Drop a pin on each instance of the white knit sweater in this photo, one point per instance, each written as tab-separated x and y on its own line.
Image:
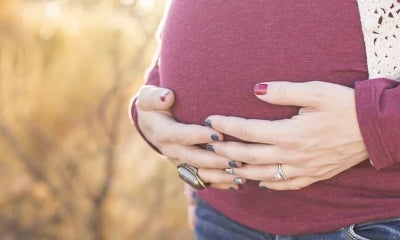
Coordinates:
380	20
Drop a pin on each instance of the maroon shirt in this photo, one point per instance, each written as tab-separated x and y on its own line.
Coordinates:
212	54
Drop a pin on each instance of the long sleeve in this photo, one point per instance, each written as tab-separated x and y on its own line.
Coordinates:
378	112
153	78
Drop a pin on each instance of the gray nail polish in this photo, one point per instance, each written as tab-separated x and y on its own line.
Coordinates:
214	137
208	123
263	187
210	148
229	171
233	164
238	180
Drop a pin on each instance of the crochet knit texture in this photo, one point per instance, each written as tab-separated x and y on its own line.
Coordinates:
380	20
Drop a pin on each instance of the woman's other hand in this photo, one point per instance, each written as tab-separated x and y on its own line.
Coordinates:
320	142
178	142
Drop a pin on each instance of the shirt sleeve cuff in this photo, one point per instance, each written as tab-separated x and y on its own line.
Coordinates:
376	135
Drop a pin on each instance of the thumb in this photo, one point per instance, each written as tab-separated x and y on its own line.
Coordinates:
153	98
307	94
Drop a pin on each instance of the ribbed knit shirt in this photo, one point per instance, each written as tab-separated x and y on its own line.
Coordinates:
214	52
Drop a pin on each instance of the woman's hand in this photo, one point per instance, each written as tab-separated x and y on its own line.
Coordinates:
320	142
177	141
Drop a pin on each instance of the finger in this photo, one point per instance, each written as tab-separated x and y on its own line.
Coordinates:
264	172
222	186
307	94
155	98
248	153
190	134
159	128
232	187
217	176
291	184
252	130
195	156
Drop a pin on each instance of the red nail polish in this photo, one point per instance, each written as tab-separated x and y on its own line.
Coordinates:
164	95
261	89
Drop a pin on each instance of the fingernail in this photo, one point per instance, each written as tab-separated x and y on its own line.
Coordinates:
229	171
208	123
238	180
263	187
210	148
215	137
260	89
371	162
232	188
233	164
164	95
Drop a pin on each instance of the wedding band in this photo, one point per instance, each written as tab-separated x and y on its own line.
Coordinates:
279	175
188	174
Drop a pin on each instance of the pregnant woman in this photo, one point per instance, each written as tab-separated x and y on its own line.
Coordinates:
278	113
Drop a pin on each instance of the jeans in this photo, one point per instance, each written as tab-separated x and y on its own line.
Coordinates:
212	225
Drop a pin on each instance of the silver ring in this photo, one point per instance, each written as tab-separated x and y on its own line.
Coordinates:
279	175
188	174
229	171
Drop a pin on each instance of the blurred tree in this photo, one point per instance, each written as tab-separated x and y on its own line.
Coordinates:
71	167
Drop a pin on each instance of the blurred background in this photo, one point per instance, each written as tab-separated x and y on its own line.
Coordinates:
71	164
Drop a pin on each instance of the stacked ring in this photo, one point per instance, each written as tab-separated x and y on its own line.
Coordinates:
189	174
229	171
279	175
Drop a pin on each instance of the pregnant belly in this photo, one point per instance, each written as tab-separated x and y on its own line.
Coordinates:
212	57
